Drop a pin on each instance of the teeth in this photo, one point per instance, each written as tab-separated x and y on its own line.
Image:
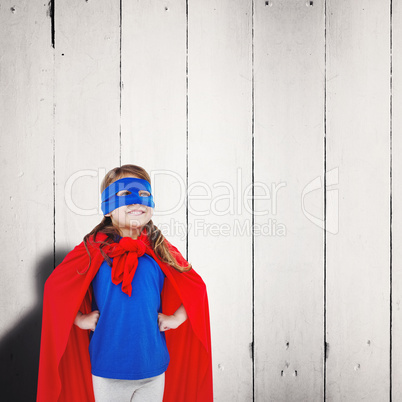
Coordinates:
136	212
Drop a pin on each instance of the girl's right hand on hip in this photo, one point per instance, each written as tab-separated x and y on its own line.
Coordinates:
87	321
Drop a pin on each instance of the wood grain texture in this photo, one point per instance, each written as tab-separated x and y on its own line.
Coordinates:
180	88
396	355
154	106
289	164
220	171
26	87
358	256
87	112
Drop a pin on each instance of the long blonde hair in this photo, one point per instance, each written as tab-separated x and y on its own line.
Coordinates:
155	236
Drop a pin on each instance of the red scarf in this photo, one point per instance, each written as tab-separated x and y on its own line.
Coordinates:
125	259
65	368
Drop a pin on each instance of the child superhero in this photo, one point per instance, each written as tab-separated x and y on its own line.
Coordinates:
65	367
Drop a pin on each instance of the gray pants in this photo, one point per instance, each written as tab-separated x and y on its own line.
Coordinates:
146	390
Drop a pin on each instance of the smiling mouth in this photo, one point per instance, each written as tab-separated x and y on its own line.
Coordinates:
136	212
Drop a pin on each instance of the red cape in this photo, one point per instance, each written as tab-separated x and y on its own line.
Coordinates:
65	368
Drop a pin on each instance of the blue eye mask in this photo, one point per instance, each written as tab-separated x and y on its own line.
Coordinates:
133	188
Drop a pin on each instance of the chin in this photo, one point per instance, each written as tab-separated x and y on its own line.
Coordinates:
137	224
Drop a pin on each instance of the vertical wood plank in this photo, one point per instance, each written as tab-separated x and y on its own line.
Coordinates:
26	77
219	59
154	105
87	111
358	256
289	125
26	196
396	201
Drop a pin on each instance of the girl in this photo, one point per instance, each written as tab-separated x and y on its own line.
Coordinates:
104	336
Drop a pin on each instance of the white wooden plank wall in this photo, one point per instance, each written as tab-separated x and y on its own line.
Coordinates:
219	155
289	160
214	96
26	196
87	112
26	74
396	127
358	146
154	106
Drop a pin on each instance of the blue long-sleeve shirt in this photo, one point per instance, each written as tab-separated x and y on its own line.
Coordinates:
127	343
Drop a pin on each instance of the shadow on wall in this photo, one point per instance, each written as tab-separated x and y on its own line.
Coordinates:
19	348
